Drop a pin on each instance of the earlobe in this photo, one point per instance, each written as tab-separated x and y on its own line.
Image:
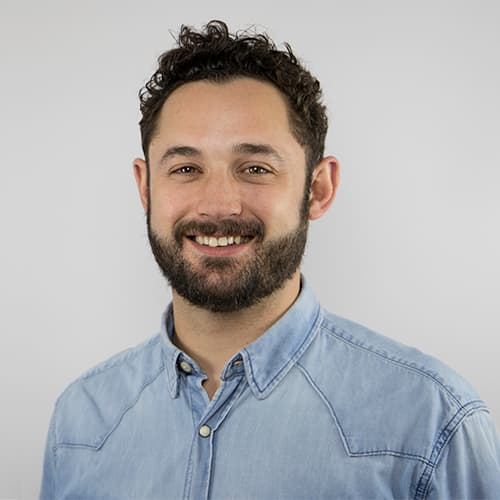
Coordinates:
141	178
325	181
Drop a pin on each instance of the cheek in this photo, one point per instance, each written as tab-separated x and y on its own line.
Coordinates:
166	207
280	212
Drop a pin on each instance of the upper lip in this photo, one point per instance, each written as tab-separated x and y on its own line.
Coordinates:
219	235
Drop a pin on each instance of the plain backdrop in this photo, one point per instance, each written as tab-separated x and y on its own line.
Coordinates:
410	247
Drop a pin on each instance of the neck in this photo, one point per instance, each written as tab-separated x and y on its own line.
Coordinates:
211	339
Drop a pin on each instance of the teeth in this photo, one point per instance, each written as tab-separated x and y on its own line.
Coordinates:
223	241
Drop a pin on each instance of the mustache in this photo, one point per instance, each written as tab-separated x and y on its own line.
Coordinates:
228	227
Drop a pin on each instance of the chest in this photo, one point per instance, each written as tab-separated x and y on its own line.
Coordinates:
286	446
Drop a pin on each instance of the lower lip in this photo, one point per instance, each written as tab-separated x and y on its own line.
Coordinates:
226	251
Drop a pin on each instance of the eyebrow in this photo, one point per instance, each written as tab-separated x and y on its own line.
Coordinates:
242	148
253	149
180	151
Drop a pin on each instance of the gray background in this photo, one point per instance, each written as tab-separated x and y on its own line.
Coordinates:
410	246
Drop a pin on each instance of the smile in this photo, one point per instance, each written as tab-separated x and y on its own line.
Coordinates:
222	241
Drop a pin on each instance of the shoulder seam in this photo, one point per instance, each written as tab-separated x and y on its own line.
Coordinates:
127	354
343	336
112	362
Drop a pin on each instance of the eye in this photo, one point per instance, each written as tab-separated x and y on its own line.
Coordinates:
256	170
186	170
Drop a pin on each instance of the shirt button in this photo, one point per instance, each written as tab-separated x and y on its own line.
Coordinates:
185	367
238	362
205	431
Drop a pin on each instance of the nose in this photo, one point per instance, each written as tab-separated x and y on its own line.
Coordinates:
219	196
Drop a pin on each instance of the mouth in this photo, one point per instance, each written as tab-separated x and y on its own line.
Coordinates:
220	241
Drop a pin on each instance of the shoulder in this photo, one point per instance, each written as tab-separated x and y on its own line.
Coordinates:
92	405
386	396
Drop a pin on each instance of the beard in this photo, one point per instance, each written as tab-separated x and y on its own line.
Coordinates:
228	284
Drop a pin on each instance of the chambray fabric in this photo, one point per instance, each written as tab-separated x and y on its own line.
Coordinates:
318	407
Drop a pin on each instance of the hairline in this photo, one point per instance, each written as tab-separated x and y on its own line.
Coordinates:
292	116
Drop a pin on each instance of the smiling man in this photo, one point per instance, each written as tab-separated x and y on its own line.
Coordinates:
251	390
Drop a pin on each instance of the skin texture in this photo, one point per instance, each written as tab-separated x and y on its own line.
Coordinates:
200	172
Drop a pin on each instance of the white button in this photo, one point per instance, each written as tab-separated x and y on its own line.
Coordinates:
185	367
238	362
205	431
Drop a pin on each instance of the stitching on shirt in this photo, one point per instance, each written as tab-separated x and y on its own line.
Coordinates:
345	442
349	339
307	376
120	418
400	454
476	403
442	441
307	341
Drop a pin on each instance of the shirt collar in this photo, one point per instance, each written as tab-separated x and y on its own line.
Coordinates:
269	358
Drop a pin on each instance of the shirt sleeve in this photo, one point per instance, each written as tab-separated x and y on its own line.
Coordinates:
47	491
469	467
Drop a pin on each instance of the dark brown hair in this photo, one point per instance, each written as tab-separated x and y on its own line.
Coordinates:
216	55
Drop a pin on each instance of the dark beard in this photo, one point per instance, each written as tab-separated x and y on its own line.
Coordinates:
222	284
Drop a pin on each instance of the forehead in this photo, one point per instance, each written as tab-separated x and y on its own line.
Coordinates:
239	110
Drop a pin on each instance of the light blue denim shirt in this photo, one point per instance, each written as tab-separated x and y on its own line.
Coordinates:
318	407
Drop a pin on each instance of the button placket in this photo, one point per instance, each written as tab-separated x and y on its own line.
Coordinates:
209	419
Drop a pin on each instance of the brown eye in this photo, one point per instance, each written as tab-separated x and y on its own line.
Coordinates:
186	169
257	170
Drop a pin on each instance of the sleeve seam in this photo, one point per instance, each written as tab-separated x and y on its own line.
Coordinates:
442	440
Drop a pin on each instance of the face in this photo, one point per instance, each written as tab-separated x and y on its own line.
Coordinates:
227	215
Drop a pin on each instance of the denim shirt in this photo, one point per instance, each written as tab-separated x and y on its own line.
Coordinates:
318	407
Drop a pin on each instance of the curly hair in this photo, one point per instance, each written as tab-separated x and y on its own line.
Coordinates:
219	56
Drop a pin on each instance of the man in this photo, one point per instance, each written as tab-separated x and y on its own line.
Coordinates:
251	390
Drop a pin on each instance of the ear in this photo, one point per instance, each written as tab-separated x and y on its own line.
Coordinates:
141	178
324	183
